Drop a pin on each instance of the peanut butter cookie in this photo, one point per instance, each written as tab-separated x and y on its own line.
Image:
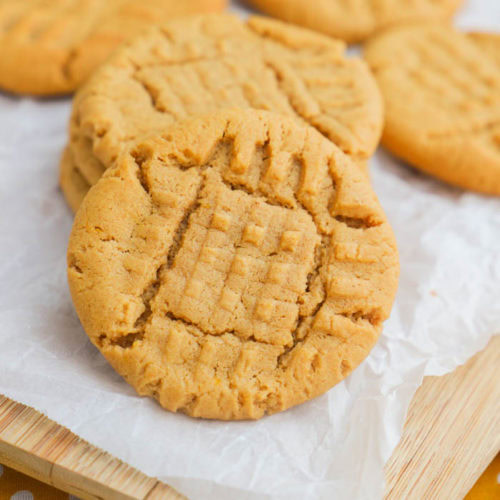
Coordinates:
442	98
356	20
205	63
233	267
50	46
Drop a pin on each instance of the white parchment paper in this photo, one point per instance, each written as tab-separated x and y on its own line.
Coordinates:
447	308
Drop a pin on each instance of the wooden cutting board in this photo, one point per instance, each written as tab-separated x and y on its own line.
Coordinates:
452	433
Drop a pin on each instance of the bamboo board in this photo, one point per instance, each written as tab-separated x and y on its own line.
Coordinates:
452	432
450	436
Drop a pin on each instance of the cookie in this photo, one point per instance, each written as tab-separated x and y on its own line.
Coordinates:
356	20
488	42
205	63
235	266
442	99
50	47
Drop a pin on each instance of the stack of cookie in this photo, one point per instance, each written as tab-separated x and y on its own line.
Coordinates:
231	259
235	265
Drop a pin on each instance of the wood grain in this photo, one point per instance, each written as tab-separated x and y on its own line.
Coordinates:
451	435
37	446
452	432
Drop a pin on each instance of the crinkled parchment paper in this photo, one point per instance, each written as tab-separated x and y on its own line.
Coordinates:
447	308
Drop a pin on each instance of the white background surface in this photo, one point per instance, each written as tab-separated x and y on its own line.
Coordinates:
447	307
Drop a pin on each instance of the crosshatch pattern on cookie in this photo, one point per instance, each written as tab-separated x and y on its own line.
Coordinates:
204	64
488	42
263	308
231	309
447	72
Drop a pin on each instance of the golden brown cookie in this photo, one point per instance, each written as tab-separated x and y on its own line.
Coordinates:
356	20
50	46
488	42
202	64
233	267
442	98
